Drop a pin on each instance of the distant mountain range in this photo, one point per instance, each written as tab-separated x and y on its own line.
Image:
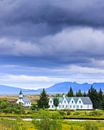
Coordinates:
8	90
65	86
57	88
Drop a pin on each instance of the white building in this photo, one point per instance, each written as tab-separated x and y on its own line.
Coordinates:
22	99
72	103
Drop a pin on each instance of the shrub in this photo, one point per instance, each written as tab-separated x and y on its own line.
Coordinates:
47	121
90	127
62	113
68	112
94	113
76	113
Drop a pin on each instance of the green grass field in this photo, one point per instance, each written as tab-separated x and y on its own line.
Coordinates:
66	125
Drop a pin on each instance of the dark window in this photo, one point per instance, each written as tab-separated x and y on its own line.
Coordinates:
77	106
50	101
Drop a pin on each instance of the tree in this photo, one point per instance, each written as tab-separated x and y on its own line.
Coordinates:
84	94
43	102
70	93
100	94
79	93
92	93
102	104
100	98
56	102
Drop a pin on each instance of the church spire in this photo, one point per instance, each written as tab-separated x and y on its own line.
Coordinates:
20	94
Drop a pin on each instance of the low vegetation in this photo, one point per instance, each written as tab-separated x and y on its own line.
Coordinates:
47	124
9	107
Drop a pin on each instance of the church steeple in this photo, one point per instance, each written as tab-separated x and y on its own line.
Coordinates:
20	95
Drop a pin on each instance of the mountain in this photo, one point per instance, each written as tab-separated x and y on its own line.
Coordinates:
65	86
57	88
8	90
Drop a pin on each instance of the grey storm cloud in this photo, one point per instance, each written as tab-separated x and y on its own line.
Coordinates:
52	11
49	15
55	30
76	45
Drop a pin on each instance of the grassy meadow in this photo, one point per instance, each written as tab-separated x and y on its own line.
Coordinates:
6	124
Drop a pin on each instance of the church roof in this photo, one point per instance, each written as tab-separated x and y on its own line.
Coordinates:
26	100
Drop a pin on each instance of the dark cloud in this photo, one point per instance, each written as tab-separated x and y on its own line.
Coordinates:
52	32
42	17
52	11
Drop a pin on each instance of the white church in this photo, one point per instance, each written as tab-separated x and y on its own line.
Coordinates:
22	99
72	103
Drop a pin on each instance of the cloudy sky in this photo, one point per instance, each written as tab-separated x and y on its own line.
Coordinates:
43	42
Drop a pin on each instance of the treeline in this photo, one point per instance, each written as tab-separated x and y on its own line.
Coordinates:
97	97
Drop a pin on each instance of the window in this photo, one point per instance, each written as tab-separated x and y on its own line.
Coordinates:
64	101
79	101
70	106
74	106
50	101
72	102
77	106
81	106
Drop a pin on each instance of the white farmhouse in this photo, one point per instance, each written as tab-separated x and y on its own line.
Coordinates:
72	103
25	101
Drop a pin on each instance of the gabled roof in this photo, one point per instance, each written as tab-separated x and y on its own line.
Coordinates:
75	99
68	99
26	100
85	100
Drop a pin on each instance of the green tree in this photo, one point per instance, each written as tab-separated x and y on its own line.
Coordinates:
100	94
56	102
70	93
100	98
92	93
84	94
43	102
79	93
102	103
